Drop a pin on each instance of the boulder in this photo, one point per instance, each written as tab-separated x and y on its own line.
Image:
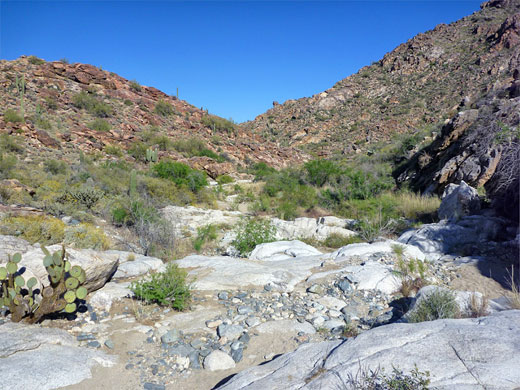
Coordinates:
365	250
437	239
282	250
218	361
10	245
459	354
458	201
104	297
51	356
98	266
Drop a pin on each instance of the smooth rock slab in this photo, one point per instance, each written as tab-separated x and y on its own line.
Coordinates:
218	360
227	273
141	265
111	292
10	245
33	357
365	250
282	250
459	354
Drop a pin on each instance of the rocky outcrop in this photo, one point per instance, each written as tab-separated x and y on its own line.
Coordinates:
458	201
282	250
459	354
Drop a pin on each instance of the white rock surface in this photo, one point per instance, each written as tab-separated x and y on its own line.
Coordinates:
140	265
32	357
458	201
218	361
10	245
459	354
282	250
318	229
227	273
104	297
365	250
188	219
285	326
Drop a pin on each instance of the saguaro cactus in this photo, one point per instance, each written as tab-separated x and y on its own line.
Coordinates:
20	86
29	304
151	155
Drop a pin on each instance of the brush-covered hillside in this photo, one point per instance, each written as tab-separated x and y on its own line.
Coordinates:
421	83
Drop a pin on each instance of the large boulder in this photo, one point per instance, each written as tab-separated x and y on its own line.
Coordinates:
282	250
366	250
10	245
98	266
459	354
33	357
133	264
438	239
458	201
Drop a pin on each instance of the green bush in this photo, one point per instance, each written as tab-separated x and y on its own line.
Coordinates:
437	305
181	174
114	150
195	147
164	108
252	232
335	240
56	167
218	124
320	171
163	142
13	116
9	143
366	379
128	102
92	104
224	179
135	86
261	170
138	151
119	216
35	60
168	288
99	124
7	164
86	196
204	234
51	103
287	210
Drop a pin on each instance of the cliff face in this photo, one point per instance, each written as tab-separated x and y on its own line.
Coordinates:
423	81
59	122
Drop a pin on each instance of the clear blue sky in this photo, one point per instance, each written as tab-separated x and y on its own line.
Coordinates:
234	58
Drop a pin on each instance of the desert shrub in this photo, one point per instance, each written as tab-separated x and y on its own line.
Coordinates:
92	104
168	288
335	240
366	379
261	170
128	102
181	174
164	108
135	86
9	143
437	305
86	236
412	272
224	179
195	147
35	60
99	124
318	172
204	234
415	206
370	228
287	210
120	216
34	228
13	116
51	103
163	142
85	195
56	167
252	232
114	150
138	151
218	124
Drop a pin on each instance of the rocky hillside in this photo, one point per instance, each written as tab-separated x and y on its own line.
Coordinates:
418	85
71	107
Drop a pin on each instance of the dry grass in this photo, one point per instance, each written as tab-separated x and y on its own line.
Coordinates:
514	295
414	206
478	307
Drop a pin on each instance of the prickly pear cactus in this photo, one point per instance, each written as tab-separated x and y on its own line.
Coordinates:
30	304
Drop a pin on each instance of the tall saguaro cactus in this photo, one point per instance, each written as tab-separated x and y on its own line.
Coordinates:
20	86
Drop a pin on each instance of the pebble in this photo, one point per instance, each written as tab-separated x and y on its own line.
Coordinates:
109	344
153	386
170	337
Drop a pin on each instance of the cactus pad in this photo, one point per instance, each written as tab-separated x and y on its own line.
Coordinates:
32	282
11	267
69	296
71	283
81	292
19	281
47	261
75	271
70	308
16	258
3	273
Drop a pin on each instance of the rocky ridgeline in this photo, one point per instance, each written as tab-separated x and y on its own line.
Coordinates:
286	295
50	88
